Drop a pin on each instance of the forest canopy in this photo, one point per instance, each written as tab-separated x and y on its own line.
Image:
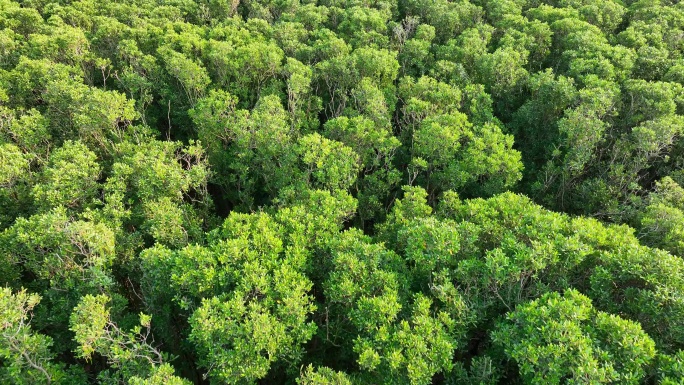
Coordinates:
346	192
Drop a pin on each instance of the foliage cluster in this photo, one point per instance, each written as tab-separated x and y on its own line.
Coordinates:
414	192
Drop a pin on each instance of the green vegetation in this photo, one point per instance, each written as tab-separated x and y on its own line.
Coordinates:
417	192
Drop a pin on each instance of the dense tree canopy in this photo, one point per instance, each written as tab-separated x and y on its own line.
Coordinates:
341	192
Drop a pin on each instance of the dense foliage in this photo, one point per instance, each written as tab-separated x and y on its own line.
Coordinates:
306	192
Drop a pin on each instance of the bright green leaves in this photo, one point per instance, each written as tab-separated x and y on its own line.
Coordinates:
506	256
458	57
152	176
458	155
67	258
427	341
170	223
70	178
14	174
77	239
63	251
415	56
412	206
215	116
650	100
14	165
245	65
503	70
254	296
302	104
261	140
438	139
192	77
449	19
156	169
242	336
345	77
96	117
248	239
265	154
447	151
430	244
328	164
29	131
89	323
557	338
312	218
648	283
648	33
364	26
671	368
616	96
376	147
662	220
122	121
534	121
584	130
373	142
491	160
161	375
646	144
247	149
25	354
586	52
244	240
128	351
407	352
366	290
363	270
424	97
605	15
257	63
65	44
379	65
322	376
